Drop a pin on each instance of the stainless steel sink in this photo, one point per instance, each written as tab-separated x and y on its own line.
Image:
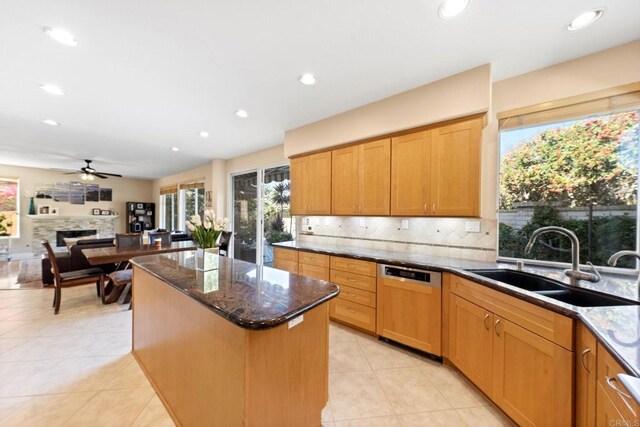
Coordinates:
552	288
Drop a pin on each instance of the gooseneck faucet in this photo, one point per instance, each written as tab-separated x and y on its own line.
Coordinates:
574	273
615	257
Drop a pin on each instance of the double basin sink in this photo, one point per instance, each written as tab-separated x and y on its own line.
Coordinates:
552	289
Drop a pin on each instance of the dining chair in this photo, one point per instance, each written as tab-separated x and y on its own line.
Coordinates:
225	240
71	278
119	280
128	239
164	235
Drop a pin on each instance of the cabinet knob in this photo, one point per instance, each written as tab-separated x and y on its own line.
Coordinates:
434	208
425	208
582	357
486	317
495	327
354	208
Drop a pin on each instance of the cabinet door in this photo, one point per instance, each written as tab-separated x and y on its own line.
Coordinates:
286	265
374	188
317	183
471	341
455	169
344	181
410	313
586	375
532	377
410	166
607	413
298	204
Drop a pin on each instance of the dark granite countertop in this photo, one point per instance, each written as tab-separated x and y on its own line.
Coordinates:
617	327
251	296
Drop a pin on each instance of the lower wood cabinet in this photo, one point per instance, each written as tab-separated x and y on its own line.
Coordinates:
354	314
614	405
313	271
529	377
286	259
585	363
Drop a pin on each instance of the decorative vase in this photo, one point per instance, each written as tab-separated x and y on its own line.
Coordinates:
32	206
207	259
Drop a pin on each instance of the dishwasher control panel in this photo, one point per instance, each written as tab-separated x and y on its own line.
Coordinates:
429	278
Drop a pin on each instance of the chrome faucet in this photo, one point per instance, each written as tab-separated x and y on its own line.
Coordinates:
574	273
615	257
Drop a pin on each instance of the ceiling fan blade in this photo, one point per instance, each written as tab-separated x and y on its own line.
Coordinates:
109	174
99	175
71	173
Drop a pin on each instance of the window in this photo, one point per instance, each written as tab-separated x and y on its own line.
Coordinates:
9	207
169	209
192	199
578	173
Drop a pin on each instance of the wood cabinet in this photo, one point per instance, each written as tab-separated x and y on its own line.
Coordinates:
585	363
313	265
356	304
410	313
410	174
310	184
285	259
614	405
455	169
519	354
360	180
437	172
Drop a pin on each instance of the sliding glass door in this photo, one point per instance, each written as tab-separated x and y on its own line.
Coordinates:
260	213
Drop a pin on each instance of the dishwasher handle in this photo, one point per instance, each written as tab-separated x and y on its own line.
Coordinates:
411	275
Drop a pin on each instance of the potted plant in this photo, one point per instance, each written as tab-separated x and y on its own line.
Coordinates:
205	232
4	225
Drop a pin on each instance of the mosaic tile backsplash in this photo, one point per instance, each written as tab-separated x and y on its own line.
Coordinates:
428	236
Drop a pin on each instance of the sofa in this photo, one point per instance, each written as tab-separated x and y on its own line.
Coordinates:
75	259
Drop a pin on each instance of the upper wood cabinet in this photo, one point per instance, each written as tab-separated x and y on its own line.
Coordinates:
455	169
410	168
360	179
310	189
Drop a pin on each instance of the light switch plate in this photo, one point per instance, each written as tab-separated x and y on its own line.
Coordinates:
404	224
472	226
295	322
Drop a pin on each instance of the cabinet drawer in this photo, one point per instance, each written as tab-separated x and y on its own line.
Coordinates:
286	254
353	266
608	369
286	265
357	295
548	324
313	271
353	314
309	258
366	283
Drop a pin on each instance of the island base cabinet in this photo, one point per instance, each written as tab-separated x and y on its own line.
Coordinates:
209	371
531	377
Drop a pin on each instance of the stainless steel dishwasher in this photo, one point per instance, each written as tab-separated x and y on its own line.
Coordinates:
410	307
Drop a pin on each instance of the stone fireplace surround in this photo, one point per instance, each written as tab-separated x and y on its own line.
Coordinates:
46	226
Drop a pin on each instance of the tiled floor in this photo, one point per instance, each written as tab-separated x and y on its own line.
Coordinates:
75	369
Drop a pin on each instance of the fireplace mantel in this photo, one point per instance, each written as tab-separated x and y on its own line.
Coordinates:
45	227
45	217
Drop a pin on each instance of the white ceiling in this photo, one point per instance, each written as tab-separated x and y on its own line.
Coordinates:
148	75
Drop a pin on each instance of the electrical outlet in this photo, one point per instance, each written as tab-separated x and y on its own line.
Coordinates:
404	224
362	223
472	226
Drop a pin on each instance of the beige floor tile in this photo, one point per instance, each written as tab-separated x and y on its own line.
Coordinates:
47	410
486	416
327	413
7	326
339	334
347	357
131	376
9	404
357	395
409	390
154	415
389	421
454	387
432	419
381	355
7	344
112	408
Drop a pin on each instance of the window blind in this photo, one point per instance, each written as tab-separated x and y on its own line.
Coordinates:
191	185
170	189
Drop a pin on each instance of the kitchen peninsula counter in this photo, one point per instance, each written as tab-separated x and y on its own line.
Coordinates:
241	345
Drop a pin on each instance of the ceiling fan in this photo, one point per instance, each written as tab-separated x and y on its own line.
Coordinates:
87	173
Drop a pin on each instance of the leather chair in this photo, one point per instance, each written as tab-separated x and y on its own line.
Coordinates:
71	278
225	241
124	240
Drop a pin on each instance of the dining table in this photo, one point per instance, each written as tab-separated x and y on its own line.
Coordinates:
116	254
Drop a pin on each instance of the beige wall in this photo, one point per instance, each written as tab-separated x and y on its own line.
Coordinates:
124	190
273	156
195	174
456	96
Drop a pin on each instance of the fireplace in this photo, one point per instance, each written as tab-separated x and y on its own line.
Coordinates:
61	234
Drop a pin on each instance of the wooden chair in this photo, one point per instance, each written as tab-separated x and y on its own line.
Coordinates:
128	239
71	278
164	235
225	240
119	280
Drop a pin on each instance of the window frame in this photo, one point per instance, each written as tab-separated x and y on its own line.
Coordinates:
18	208
162	205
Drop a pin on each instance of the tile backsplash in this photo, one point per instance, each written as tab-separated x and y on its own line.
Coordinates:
428	236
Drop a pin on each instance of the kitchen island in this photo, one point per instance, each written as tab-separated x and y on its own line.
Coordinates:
243	345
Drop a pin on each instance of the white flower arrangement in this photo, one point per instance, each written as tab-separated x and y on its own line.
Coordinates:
206	230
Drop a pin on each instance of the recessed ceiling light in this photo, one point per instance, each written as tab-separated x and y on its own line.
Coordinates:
452	8
50	122
584	20
52	89
175	149
61	36
308	79
204	134
242	113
